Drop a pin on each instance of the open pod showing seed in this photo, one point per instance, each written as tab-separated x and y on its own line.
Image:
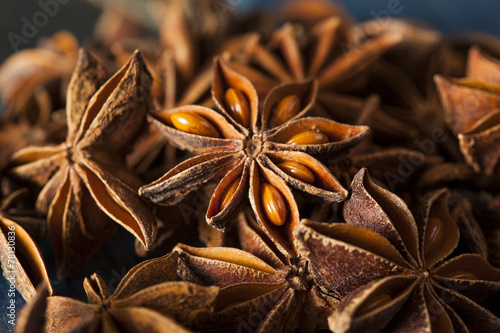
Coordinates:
439	232
468	270
470	275
226	199
373	305
235	96
197	129
274	206
314	136
253	239
287	102
216	265
188	176
305	173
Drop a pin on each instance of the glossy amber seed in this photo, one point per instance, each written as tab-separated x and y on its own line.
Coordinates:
374	303
298	171
286	109
193	123
274	204
308	138
461	274
238	106
433	234
229	193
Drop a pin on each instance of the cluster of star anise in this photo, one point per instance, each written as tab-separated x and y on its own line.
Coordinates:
284	172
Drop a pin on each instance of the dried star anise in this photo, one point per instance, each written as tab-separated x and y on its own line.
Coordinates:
21	260
323	52
471	107
291	57
25	77
257	281
182	74
85	185
256	148
148	299
390	268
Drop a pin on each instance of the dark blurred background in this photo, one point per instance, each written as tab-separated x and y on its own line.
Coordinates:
79	16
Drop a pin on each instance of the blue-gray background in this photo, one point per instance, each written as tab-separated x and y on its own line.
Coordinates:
79	16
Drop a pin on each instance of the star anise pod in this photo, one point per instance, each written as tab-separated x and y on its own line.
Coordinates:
471	108
174	93
256	148
256	280
390	267
148	299
291	57
85	185
323	52
26	75
191	28
486	210
32	315
22	262
182	74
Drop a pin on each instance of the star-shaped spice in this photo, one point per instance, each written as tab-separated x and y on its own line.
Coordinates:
261	289
85	185
22	262
148	299
471	107
323	52
255	148
390	268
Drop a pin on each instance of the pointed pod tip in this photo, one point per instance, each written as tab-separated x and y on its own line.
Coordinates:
137	60
136	57
474	50
82	54
360	176
85	60
441	81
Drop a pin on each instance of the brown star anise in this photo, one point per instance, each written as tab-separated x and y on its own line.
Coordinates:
25	77
21	260
183	74
261	289
323	52
317	53
148	299
471	107
85	185
257	148
389	267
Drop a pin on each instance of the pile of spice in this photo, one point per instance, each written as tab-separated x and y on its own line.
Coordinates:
285	171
